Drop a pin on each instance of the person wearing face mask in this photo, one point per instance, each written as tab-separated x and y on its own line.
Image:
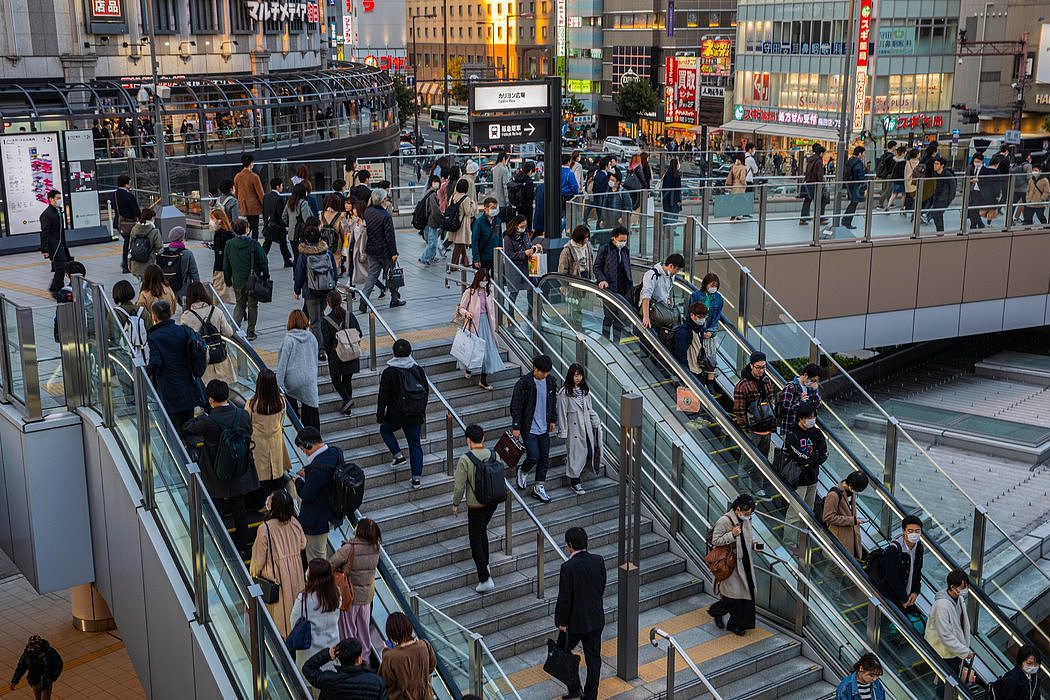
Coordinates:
948	629
486	235
708	295
518	247
612	270
805	449
1022	681
1036	196
689	343
737	591
753	411
840	511
803	389
902	565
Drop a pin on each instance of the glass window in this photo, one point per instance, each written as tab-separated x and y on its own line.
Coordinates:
204	17
165	16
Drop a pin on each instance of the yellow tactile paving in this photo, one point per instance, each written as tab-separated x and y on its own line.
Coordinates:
705	651
71	664
673	625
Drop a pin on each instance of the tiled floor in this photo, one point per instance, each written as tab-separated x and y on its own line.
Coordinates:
95	665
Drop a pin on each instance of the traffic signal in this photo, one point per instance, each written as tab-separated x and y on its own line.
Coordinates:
970	116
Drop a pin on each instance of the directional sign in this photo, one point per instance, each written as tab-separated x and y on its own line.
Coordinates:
485	132
509	97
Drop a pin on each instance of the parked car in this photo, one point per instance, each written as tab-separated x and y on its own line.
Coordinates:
405	148
621	146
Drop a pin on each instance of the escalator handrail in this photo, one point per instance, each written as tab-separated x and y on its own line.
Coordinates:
983	599
831	546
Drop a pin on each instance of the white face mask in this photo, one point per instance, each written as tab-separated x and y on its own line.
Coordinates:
964	594
699	320
493	211
213	225
712	289
619	244
1030	670
913	537
809	422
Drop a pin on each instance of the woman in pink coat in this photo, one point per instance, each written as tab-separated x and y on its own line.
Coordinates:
478	310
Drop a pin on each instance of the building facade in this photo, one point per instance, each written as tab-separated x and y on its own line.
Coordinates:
792	56
372	32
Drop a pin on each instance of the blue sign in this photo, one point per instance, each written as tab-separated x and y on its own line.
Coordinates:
955	137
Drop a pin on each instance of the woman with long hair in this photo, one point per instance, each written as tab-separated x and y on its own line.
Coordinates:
200	310
145	228
276	555
578	425
333	227
478	310
577	258
296	213
154	288
341	371
222	233
297	368
407	667
319	603
468	207
358	560
269	451
737	591
357	237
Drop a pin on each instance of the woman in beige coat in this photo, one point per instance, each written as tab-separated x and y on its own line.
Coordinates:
154	288
737	180
358	559
269	451
275	555
737	592
578	425
840	512
468	207
198	310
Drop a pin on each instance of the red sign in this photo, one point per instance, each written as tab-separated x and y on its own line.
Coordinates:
349	7
313	12
760	88
106	10
864	36
386	62
914	121
369	5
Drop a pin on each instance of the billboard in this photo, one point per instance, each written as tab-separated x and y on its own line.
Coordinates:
716	57
1042	60
860	86
32	166
680	87
81	168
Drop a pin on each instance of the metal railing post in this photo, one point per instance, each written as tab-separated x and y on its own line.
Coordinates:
372	340
497	281
658	234
105	370
689	245
541	561
630	536
28	357
873	629
508	525
704	243
669	682
742	302
889	466
818	200
916	218
5	359
964	207
869	210
675	524
197	548
803	587
705	207
258	646
448	443
149	493
477	665
763	205
202	193
1010	206
980	528
413	603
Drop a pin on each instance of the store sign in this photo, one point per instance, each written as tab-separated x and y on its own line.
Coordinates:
903	122
348	30
368	5
716	57
559	9
580	86
574	22
680	89
283	10
785	116
760	88
107	11
895	41
1042	99
31	168
860	86
386	62
815	48
712	91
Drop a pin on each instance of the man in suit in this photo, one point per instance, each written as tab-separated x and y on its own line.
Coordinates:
580	610
53	241
127	208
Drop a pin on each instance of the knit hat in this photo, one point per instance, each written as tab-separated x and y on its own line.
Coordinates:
757	356
177	233
472	167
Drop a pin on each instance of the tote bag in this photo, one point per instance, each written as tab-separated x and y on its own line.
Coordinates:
468	347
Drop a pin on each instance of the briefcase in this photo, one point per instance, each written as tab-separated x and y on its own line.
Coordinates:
561	664
510	449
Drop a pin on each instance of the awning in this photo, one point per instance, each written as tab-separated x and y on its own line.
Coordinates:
428	88
742	126
799	132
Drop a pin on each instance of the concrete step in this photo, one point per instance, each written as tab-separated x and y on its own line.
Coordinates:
774	681
365	396
366	432
437	359
815	691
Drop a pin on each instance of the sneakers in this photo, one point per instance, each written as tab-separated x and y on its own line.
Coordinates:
485	586
398	459
540	493
416	483
347	408
578	489
523	479
399	302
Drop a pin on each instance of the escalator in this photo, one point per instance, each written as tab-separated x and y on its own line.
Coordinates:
691	469
1001	620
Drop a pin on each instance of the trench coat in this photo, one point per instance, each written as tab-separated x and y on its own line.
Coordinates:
735	586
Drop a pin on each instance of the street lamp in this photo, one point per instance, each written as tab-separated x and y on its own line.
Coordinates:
415	83
520	15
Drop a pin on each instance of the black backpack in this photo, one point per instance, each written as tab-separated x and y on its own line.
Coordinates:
348	489
818	504
169	260
212	338
516	193
453	216
329	232
419	214
884	166
873	562
490	483
196	353
140	249
233	454
412	394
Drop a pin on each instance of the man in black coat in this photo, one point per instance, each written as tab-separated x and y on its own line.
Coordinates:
534	416
580	610
350	680
394	413
902	564
127	208
169	366
314	484
380	246
229	493
612	271
53	241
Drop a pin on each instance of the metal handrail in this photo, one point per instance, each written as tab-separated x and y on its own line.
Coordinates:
672	647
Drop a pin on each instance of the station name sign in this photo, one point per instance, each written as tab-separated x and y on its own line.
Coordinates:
501	98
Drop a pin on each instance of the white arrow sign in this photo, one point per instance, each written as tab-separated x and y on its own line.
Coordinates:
530	129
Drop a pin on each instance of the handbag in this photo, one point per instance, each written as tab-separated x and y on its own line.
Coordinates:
537	265
302	636
271	590
395	277
787	469
342	582
509	449
561	664
260	287
686	400
721	560
468	347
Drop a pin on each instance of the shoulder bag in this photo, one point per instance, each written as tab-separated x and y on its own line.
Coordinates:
302	635
271	590
260	288
342	581
721	560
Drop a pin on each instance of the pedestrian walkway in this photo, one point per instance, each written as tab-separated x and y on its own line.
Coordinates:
96	665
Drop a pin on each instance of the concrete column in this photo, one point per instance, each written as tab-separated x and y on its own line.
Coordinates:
90	611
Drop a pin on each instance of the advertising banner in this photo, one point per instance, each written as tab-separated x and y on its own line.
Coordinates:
1042	60
31	166
860	86
895	41
81	169
716	57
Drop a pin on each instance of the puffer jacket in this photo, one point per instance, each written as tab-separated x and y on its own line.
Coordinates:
297	366
156	243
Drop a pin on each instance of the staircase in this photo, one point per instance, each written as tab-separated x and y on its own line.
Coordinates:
429	547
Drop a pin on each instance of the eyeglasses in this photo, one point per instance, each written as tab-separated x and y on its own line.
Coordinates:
759	366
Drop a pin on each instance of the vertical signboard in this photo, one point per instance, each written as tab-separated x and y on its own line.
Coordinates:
860	86
81	175
32	167
348	31
1042	59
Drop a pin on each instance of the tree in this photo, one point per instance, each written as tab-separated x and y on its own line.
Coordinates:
575	106
458	90
406	101
636	97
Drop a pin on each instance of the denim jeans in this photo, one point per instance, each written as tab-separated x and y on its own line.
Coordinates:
412	435
537	454
430	252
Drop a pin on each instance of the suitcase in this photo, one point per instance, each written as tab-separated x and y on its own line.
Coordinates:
510	449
